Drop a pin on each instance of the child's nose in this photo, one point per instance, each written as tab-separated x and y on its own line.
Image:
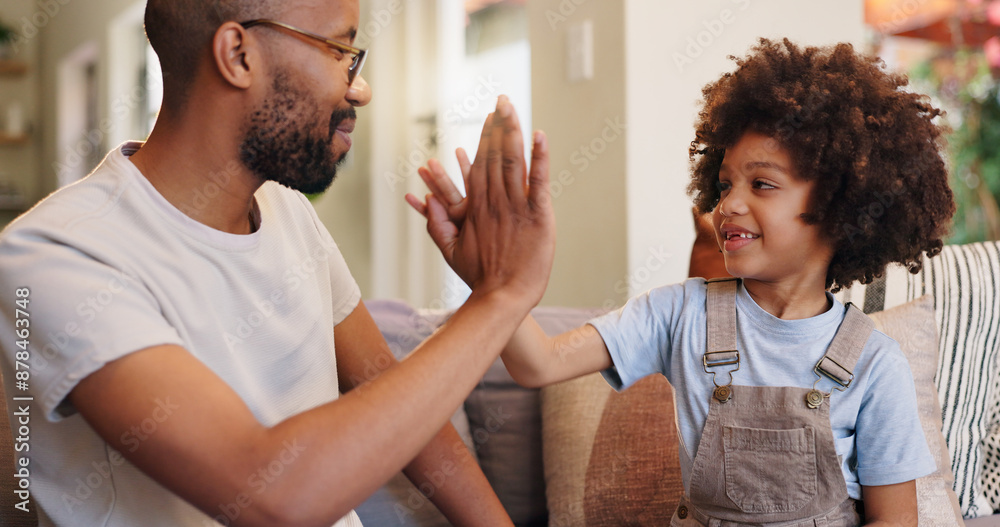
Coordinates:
732	203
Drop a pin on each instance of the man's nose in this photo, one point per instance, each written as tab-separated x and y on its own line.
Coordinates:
359	93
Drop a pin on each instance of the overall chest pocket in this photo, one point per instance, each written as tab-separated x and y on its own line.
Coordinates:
770	470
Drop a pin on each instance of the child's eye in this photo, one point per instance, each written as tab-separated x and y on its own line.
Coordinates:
722	186
763	185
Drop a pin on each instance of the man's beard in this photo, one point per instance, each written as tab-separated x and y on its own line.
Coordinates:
281	142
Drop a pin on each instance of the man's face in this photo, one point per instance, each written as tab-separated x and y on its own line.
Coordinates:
287	139
298	133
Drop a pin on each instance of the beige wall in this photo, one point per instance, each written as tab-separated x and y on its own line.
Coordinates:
589	188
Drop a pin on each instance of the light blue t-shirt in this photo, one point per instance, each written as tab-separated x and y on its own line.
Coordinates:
875	424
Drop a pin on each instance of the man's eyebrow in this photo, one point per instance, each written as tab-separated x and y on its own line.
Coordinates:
348	35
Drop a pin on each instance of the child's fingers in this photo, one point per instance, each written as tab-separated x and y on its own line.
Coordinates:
442	185
430	179
417	205
442	230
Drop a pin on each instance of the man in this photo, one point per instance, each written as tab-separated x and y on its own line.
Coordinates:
204	340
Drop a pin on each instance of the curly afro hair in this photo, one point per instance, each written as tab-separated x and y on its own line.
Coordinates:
872	147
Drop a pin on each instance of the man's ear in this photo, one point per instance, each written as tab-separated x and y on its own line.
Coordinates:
233	57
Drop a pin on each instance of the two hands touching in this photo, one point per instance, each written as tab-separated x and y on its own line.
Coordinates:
501	236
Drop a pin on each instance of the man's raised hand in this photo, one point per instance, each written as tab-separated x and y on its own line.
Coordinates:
502	234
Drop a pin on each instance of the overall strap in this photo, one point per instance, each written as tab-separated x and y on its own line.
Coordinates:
842	355
720	349
721	312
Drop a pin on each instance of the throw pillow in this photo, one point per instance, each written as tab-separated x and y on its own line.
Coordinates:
610	458
913	326
965	282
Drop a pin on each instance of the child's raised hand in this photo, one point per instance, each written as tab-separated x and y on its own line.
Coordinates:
503	233
443	189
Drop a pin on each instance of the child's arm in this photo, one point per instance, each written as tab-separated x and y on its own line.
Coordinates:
891	504
534	359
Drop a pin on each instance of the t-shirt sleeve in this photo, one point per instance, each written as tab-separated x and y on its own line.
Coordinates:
83	312
891	447
345	291
638	335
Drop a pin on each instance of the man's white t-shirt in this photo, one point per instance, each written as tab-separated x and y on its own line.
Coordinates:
110	267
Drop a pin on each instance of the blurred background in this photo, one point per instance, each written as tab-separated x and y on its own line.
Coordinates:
615	85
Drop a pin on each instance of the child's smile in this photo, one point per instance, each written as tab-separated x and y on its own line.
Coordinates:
736	238
758	220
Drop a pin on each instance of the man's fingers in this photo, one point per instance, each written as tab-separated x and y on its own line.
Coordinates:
538	177
484	140
475	184
495	188
514	171
464	165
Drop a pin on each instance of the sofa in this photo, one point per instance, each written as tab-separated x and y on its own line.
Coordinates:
578	454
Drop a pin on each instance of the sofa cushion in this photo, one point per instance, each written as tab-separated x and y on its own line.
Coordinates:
965	282
610	458
912	325
500	419
506	425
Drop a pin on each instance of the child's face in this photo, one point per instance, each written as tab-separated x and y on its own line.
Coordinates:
758	219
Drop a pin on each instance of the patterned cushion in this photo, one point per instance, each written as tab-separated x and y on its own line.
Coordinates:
965	283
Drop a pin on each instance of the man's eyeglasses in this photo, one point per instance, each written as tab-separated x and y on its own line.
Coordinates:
358	60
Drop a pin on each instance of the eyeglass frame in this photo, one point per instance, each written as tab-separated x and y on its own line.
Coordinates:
359	54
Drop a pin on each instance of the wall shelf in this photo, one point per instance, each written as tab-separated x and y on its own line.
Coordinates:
13	67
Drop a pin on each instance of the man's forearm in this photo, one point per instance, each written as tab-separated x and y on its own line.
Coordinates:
367	421
447	473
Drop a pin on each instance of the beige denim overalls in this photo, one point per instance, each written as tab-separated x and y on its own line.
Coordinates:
766	455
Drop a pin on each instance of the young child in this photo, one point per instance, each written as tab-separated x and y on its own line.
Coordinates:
819	168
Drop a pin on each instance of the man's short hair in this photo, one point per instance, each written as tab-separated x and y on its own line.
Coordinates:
181	32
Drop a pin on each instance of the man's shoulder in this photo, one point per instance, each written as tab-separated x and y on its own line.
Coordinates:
94	196
290	208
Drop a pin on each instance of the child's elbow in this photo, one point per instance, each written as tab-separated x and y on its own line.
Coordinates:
525	375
